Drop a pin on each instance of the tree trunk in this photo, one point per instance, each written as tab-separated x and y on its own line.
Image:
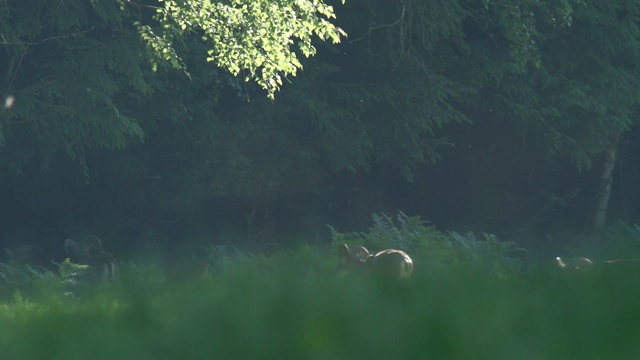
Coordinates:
602	200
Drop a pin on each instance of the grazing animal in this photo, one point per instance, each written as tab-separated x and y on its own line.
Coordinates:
574	263
390	263
584	264
88	251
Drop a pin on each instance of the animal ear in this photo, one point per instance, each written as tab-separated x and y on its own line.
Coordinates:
360	252
71	247
93	242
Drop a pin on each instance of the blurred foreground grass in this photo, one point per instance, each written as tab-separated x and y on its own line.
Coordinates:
289	310
471	297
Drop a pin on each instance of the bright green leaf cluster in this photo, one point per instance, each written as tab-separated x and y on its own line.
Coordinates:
251	38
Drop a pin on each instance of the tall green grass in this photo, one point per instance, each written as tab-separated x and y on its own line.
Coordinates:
469	299
292	311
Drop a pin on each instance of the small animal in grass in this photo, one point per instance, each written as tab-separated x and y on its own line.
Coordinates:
583	264
579	263
88	251
389	263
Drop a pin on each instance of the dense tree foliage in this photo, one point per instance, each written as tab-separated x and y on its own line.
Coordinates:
250	38
483	114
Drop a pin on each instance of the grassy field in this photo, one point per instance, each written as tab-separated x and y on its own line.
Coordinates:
470	297
291	309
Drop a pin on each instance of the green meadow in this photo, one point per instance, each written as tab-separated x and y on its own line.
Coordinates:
470	298
295	312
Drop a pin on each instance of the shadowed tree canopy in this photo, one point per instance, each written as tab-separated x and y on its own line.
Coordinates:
73	71
453	104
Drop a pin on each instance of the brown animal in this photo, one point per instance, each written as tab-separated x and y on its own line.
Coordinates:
390	263
88	251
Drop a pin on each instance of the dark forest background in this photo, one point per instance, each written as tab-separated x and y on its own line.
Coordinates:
512	118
